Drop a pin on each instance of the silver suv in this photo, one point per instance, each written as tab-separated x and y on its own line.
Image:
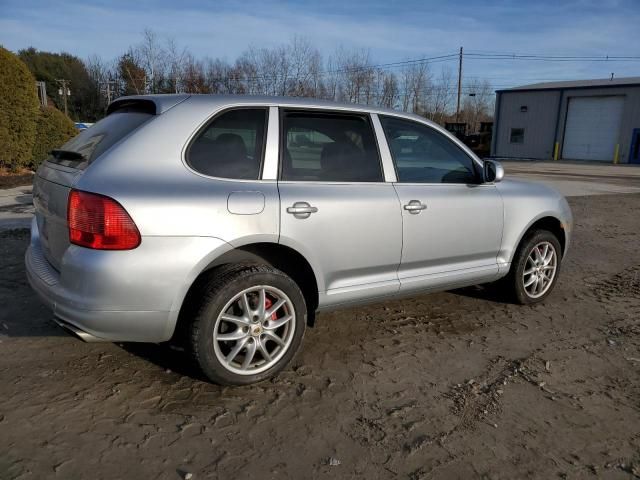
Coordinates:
227	222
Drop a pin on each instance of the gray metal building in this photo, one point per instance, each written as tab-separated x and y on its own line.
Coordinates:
579	120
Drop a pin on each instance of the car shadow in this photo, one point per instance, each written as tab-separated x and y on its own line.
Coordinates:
167	357
31	326
490	292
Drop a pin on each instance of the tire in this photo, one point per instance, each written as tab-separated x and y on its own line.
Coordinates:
515	280
246	331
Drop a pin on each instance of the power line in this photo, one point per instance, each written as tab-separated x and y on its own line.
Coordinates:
554	58
563	55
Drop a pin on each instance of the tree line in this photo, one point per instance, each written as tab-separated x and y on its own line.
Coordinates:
158	65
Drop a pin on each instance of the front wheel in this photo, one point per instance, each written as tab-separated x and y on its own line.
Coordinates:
249	324
535	268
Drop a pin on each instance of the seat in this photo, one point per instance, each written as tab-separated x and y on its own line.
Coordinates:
230	147
287	165
225	157
344	162
337	161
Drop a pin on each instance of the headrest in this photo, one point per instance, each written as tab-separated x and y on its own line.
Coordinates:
230	145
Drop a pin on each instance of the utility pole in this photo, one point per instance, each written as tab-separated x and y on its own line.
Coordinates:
459	85
109	86
42	93
108	92
65	92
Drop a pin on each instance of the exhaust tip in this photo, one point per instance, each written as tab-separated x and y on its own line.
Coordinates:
78	333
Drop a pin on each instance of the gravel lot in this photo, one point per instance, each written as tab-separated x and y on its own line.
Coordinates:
451	385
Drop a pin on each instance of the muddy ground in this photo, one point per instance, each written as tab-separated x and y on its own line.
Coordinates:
451	385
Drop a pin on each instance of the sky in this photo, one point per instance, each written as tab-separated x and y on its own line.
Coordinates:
392	31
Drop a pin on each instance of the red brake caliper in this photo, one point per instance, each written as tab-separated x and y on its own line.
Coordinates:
267	305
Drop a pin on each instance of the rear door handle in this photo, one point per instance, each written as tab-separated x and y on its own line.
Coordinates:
301	210
415	207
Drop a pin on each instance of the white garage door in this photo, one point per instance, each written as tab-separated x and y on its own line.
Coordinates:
592	128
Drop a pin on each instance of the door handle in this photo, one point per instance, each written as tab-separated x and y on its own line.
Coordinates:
415	206
301	210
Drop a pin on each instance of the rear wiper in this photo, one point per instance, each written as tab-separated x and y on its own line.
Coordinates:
67	155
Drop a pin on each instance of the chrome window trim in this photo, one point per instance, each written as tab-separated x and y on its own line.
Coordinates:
361	109
317	182
467	185
355	112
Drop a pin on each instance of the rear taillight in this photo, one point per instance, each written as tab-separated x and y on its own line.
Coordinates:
99	222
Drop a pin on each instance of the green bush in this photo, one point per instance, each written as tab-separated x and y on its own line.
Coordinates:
53	129
18	111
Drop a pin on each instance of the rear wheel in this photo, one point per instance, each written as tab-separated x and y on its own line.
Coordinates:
249	324
535	267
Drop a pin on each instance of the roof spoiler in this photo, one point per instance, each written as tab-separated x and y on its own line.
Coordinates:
151	104
132	105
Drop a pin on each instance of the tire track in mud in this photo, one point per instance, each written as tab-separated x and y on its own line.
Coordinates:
620	293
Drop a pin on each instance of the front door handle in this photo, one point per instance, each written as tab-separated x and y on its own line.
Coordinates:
415	207
301	210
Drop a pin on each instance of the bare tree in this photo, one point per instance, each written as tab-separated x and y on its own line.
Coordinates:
103	77
305	65
330	79
153	59
387	89
477	105
175	59
265	71
218	75
441	99
193	76
355	76
415	81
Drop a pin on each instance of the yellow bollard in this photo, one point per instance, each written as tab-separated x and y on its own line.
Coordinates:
615	153
556	148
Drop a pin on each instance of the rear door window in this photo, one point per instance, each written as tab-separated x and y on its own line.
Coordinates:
328	147
89	144
231	146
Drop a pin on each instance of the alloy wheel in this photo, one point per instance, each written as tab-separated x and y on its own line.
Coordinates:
540	269
254	330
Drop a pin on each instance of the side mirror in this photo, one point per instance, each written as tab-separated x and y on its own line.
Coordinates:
493	171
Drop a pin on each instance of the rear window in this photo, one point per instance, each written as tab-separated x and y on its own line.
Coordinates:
95	140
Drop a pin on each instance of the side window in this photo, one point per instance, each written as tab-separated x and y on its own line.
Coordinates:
423	155
329	147
231	146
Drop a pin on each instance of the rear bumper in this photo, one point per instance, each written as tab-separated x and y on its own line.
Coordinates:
128	296
105	325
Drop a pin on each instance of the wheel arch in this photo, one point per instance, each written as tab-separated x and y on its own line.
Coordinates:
285	259
550	223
